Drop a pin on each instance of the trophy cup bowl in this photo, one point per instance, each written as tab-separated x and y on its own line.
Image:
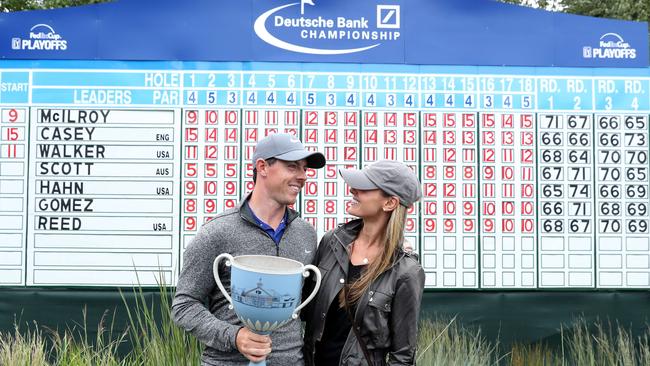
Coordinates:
265	290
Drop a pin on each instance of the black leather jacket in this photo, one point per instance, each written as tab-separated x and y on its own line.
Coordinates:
387	314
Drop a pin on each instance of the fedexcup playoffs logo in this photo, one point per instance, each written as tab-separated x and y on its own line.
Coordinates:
41	37
298	27
610	46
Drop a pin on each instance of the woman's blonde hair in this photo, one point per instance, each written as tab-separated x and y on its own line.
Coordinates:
393	238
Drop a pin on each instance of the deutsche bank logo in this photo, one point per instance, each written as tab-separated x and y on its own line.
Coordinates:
388	16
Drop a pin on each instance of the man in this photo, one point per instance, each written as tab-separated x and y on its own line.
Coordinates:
262	224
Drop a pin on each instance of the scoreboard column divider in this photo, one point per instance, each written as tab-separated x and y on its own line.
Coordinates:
419	157
648	166
537	231
648	162
301	131
180	182
28	123
240	180
28	231
537	189
594	174
180	185
300	135
179	219
479	226
360	139
593	200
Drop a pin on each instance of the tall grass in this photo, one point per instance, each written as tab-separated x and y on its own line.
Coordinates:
153	339
533	355
447	343
606	344
23	348
75	348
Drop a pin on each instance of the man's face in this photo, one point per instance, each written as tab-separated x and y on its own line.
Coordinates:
285	179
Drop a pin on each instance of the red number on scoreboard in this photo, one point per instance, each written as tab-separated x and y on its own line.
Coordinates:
430	225
230	188
449	225
430	189
210	188
311	118
430	120
190	188
469	226
211	117
469	120
210	206
409	225
190	116
190	223
190	170
211	152
210	170
488	225
449	120
330	119
310	206
230	170
410	120
330	206
190	205
191	135
350	153
430	207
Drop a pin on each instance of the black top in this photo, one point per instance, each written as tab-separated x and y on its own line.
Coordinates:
337	327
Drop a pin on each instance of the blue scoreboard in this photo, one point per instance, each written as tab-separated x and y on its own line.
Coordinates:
125	126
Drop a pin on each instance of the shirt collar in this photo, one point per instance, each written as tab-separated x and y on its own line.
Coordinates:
275	234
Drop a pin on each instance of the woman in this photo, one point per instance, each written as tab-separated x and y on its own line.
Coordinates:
369	281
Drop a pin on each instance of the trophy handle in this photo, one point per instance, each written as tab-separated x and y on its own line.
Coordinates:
305	273
215	271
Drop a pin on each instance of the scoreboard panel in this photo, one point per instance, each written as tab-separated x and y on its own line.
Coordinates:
532	178
449	208
566	199
507	192
622	199
98	172
13	192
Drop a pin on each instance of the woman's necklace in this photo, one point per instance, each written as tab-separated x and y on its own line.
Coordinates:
365	258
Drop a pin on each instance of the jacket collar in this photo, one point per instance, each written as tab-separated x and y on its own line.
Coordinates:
246	213
347	232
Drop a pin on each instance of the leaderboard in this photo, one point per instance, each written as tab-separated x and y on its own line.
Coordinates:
532	178
102	194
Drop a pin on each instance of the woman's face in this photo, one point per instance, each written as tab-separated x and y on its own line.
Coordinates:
367	203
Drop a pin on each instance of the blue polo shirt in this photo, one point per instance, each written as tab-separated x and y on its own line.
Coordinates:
275	234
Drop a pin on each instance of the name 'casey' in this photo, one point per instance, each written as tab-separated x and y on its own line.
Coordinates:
66	133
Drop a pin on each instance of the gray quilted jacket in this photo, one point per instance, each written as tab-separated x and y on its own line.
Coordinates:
200	308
